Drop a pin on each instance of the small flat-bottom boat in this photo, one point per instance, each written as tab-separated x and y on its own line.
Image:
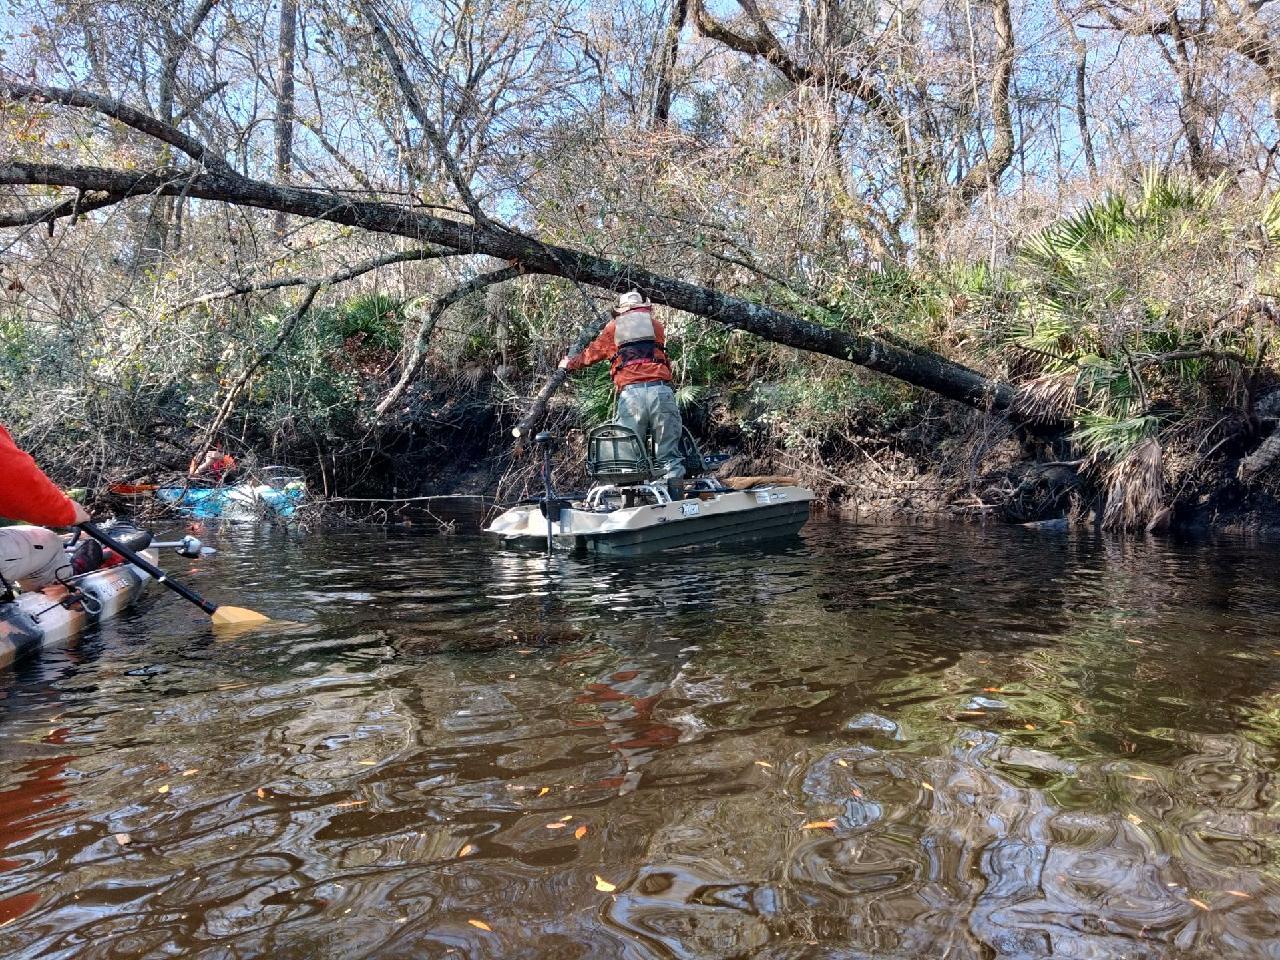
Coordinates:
49	617
629	512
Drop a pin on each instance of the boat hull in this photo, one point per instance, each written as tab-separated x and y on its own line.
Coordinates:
38	621
730	516
765	523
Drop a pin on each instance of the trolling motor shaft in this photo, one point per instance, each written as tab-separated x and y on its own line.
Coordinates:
546	441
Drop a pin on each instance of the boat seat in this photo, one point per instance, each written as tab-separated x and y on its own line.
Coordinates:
691	455
616	455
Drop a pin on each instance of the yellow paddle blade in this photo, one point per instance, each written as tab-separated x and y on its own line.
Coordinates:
229	615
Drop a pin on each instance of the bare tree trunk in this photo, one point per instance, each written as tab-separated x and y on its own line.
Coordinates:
159	217
285	102
667	58
1081	51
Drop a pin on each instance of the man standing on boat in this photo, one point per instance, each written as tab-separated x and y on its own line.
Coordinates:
31	554
634	342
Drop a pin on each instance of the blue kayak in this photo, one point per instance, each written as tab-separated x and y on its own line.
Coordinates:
277	499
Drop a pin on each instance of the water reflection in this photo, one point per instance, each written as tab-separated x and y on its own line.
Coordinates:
872	741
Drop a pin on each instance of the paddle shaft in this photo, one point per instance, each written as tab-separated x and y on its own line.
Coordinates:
142	563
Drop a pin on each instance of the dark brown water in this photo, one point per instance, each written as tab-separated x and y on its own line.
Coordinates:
886	742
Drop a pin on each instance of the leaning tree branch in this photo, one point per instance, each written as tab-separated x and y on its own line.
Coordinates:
73	207
233	393
342	276
927	370
117	110
419	354
420	114
1208	353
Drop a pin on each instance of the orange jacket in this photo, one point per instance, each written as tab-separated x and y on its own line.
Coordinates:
26	494
216	464
604	348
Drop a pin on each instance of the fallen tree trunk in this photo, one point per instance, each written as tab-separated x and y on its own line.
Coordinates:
919	368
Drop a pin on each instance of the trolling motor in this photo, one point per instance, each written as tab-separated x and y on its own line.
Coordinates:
188	546
546	441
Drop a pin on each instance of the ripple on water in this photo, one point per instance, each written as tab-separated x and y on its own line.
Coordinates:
888	742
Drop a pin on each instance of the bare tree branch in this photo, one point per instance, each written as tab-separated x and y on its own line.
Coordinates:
234	391
341	276
74	207
998	156
419	353
142	122
419	112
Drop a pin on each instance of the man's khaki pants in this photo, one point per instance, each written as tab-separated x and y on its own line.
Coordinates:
650	410
31	555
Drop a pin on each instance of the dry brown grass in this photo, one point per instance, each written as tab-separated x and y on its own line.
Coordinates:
1135	488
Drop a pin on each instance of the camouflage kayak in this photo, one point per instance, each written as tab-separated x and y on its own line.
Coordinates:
51	616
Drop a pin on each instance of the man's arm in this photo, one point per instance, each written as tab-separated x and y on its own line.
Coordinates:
601	348
26	494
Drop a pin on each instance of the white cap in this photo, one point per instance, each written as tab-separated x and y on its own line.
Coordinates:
630	301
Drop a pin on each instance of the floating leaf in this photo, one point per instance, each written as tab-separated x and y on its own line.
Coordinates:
368	763
927	785
1199	903
480	924
842	761
124	840
556	826
1135	776
544	791
262	794
351	803
467	850
163	789
580	832
190	773
1133	818
603	885
1028	726
819	825
1239	893
761	763
566	818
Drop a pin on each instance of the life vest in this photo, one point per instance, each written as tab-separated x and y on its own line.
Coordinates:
219	465
636	339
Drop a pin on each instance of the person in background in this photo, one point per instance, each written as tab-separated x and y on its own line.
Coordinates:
31	555
216	465
634	342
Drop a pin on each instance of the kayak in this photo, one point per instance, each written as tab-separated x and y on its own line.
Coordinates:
276	497
630	510
243	501
51	616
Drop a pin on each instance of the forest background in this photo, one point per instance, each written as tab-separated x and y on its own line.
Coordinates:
986	258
